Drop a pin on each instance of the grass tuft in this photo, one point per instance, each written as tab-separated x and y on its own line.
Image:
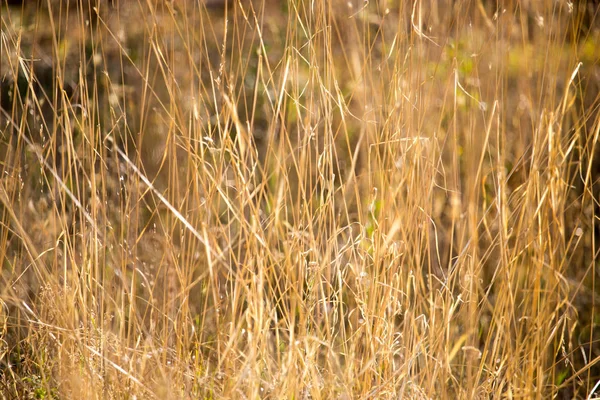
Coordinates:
299	199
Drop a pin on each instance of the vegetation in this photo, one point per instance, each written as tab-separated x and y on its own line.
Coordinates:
299	199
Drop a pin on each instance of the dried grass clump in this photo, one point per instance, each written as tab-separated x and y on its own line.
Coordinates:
299	199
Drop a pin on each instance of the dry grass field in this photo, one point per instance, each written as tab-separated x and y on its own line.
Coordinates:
299	199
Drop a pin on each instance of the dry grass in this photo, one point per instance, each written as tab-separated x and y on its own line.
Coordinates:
299	199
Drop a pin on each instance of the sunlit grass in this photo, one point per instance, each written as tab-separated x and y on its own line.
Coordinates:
299	199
